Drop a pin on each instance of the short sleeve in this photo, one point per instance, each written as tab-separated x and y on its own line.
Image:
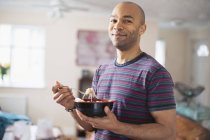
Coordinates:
160	91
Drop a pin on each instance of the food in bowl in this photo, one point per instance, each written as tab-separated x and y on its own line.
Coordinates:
93	107
89	93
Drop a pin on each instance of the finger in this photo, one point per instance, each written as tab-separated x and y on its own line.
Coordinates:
55	89
92	120
64	96
58	84
57	95
64	89
107	111
61	99
94	123
67	102
82	116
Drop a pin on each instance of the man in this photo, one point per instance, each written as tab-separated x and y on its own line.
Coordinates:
142	88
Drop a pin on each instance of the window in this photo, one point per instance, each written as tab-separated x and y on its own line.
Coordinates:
160	50
22	50
203	50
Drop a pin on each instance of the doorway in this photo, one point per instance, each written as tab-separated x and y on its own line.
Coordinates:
200	70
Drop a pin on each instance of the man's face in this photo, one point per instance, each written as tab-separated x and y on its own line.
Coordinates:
124	26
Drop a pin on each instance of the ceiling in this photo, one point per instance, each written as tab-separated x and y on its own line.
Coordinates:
168	13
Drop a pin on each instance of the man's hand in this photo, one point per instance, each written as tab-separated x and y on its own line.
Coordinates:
108	122
63	95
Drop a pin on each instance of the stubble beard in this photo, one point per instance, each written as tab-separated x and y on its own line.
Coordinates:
126	44
122	47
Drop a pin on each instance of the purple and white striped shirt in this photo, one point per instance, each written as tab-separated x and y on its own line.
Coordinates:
139	87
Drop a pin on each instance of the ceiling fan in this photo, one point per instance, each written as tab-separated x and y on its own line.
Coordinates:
57	8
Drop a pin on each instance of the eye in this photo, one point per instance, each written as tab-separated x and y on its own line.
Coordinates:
127	21
113	20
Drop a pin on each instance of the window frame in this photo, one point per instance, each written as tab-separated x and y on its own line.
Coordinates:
36	81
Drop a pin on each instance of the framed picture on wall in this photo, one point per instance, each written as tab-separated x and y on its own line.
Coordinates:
94	48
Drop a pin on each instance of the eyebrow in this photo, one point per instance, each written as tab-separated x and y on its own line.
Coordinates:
126	16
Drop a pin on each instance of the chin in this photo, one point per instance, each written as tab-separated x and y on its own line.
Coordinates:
120	45
121	48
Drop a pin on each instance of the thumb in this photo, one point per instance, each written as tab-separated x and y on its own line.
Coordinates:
58	84
107	111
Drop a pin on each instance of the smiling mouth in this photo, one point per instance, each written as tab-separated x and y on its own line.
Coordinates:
118	35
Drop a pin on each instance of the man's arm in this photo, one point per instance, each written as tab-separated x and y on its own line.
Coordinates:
64	96
163	129
84	125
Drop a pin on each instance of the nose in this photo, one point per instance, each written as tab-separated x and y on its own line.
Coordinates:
118	26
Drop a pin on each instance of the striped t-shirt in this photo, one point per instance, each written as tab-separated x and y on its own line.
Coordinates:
138	87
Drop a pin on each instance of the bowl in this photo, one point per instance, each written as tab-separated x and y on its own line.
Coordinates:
94	107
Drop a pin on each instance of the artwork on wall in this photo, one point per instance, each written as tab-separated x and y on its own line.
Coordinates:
94	48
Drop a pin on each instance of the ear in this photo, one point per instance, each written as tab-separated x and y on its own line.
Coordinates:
142	29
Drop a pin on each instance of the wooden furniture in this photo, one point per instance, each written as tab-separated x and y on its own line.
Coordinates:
85	82
188	129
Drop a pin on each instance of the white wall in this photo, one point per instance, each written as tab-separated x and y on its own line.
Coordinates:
179	45
176	42
60	60
202	34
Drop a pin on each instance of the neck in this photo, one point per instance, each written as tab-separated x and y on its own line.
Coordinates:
125	56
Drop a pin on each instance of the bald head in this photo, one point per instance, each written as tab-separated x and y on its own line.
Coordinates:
138	8
127	24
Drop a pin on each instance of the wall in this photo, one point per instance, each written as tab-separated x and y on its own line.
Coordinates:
201	34
176	42
60	60
179	48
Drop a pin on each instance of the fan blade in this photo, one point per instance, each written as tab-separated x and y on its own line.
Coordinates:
69	8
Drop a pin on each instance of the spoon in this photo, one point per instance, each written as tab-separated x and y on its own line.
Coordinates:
78	91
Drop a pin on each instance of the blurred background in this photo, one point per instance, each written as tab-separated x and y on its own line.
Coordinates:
43	41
